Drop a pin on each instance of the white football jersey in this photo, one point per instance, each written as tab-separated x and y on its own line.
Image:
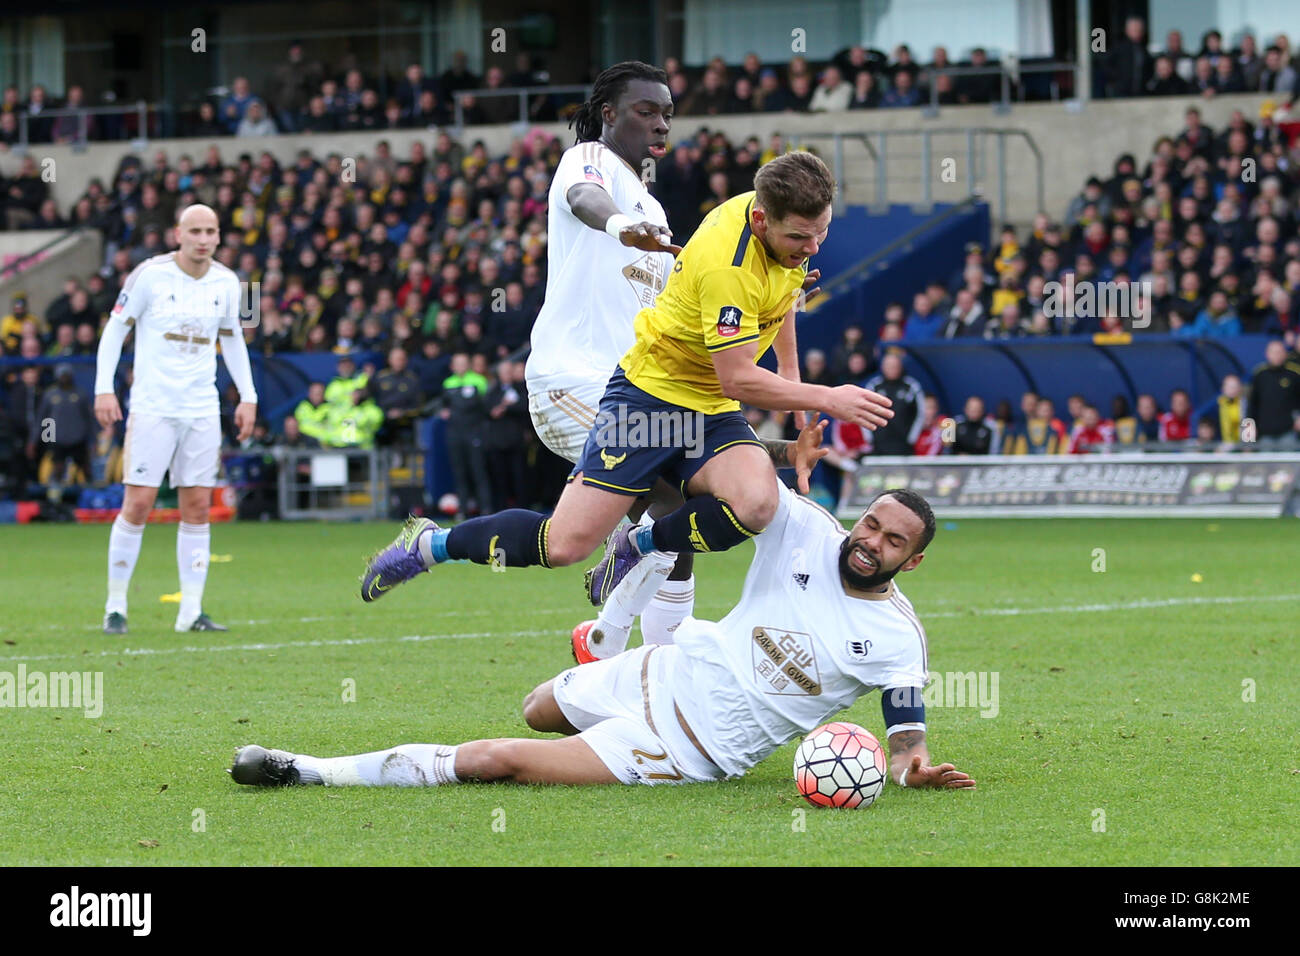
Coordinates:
595	285
177	321
797	648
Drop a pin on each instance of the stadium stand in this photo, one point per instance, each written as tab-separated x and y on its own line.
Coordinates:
429	268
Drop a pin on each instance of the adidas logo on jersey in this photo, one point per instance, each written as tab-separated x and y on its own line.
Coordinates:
638	208
801	580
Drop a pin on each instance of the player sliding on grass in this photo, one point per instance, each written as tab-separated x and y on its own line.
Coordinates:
820	623
732	294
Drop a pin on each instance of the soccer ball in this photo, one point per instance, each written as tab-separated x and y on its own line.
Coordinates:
840	765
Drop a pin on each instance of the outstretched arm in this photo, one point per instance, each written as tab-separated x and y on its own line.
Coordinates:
909	764
802	454
594	207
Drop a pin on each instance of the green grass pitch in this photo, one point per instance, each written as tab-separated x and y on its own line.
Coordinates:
1144	717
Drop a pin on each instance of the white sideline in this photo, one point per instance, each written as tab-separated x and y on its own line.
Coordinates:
1143	604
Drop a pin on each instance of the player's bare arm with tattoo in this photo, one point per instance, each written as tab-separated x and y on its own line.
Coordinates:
909	755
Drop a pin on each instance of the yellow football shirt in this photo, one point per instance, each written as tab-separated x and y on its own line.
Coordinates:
724	291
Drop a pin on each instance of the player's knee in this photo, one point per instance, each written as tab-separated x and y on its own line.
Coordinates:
535	707
569	546
755	508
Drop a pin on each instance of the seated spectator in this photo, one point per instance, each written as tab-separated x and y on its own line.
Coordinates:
1093	433
235	104
255	121
318	118
930	440
1216	320
832	93
903	93
975	434
866	94
1165	81
850	343
1148	419
1176	424
966	318
814	368
1127	435
1044	433
980	88
1008	324
710	98
923	324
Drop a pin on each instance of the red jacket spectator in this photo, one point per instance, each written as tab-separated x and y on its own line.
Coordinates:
1092	434
851	441
1176	424
930	441
1174	427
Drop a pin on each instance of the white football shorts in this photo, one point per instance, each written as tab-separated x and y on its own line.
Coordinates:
626	713
563	408
188	448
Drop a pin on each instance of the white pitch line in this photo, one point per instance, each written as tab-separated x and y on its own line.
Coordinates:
1144	604
258	622
1141	604
341	642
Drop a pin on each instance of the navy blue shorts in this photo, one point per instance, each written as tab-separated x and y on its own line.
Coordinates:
638	438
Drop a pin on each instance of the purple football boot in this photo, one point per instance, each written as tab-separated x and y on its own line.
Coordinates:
398	562
621	556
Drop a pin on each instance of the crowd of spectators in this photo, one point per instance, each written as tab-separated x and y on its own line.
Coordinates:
300	94
1135	67
1202	240
431	267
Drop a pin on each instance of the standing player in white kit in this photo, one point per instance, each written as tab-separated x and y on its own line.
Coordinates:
179	304
608	256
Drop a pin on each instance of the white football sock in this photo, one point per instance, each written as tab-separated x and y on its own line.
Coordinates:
609	635
123	550
193	547
671	604
410	765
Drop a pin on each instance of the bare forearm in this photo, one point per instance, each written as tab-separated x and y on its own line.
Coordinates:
763	389
591	205
904	747
778	449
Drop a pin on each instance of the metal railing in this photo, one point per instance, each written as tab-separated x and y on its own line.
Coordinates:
876	146
522	93
1008	72
140	109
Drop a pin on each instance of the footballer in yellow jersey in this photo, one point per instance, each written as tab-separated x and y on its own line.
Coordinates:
672	408
724	292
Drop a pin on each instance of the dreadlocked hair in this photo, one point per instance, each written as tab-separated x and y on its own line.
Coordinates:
587	123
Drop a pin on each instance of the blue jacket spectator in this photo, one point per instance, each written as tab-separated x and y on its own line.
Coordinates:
924	323
1216	320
